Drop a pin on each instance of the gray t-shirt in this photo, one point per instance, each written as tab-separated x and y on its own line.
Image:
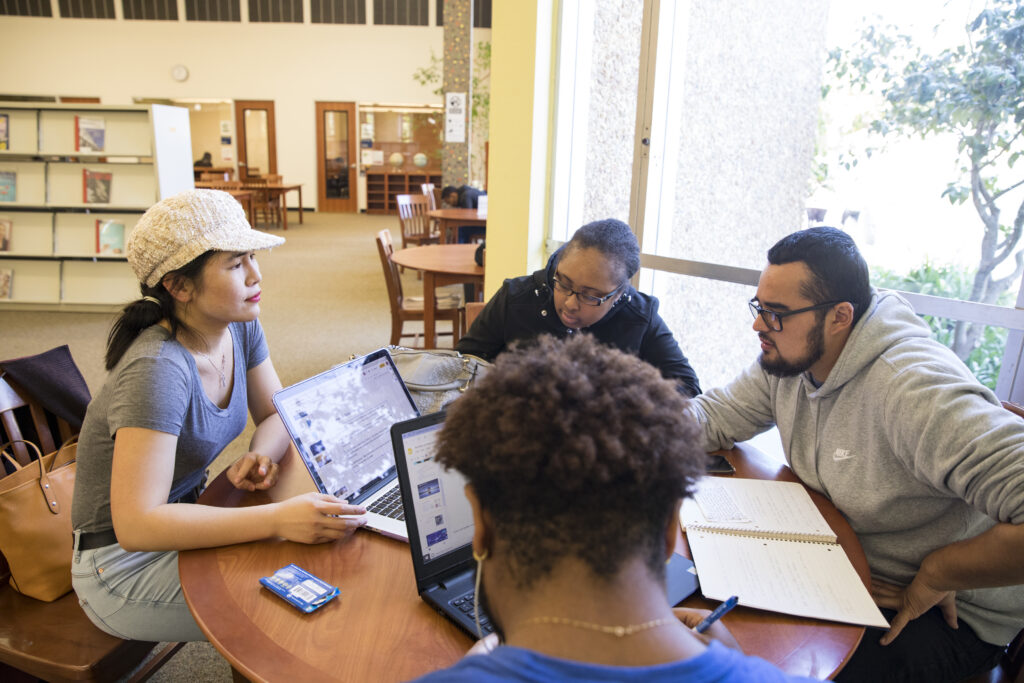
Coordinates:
156	386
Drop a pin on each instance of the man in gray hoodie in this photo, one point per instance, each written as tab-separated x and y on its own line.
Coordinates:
892	427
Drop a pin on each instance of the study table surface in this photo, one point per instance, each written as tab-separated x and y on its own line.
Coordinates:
451	219
441	264
277	192
380	630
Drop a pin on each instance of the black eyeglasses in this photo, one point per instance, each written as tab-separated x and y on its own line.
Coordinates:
585	299
773	319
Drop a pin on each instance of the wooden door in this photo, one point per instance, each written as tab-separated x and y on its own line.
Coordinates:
257	137
337	156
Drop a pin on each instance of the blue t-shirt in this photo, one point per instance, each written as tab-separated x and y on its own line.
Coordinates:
716	664
156	386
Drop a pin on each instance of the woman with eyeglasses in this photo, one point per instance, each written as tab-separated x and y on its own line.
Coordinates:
584	288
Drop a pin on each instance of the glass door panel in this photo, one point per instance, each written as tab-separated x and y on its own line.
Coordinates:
336	156
257	138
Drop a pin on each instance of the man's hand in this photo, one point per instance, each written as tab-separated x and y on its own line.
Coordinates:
253	472
911	602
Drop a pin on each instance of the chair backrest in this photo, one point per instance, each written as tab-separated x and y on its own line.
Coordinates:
412	212
273	178
473	309
428	192
12	399
385	248
214	177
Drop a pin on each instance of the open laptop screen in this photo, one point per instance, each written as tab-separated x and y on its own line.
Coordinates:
444	519
340	422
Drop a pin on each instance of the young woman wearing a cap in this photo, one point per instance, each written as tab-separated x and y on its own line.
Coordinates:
187	362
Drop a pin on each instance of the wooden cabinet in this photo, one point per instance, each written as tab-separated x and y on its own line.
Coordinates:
383	185
68	171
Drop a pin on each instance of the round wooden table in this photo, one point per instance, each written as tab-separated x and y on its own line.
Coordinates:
441	264
797	645
452	219
380	630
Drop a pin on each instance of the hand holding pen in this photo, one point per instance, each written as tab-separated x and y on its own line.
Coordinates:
717	614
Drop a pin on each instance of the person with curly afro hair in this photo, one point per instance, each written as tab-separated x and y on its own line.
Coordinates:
577	458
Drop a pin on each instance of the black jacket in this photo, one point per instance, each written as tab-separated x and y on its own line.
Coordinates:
523	308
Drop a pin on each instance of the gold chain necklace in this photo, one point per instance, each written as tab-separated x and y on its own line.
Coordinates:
617	631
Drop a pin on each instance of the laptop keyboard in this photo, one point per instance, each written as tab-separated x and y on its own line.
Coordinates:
465	605
389	505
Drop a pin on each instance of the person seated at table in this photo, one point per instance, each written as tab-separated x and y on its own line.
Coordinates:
187	362
584	288
577	458
893	428
464	197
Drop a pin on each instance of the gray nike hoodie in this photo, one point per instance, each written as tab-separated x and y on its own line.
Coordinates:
902	438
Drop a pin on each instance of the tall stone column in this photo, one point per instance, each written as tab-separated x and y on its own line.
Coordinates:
458	69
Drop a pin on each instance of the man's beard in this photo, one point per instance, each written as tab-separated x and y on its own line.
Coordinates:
815	350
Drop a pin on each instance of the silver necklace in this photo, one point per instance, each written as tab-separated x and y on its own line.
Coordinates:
220	370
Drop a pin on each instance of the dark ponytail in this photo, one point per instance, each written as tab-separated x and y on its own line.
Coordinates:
144	312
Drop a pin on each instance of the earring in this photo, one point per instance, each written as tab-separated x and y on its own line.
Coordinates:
476	589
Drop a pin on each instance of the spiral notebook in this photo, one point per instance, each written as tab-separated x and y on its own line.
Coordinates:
766	542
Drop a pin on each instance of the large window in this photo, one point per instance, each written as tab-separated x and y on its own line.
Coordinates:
698	122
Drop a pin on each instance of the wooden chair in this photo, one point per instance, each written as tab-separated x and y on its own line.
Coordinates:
428	192
39	432
266	204
55	641
214	177
403	308
473	309
412	213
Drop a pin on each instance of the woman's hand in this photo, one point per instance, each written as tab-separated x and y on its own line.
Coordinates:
317	518
253	472
717	631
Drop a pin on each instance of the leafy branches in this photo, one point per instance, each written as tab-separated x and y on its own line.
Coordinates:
973	94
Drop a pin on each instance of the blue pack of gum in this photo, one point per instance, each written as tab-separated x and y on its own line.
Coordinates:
299	588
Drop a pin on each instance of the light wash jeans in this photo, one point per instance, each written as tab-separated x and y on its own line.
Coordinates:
136	596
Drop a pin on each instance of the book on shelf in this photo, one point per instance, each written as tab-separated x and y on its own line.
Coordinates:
766	542
6	233
8	186
90	134
96	186
6	282
109	237
5	135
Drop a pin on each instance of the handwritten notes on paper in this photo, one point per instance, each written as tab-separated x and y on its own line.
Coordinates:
783	558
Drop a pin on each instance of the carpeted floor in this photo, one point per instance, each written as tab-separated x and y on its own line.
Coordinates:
324	300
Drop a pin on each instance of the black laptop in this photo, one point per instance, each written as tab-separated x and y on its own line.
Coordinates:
440	524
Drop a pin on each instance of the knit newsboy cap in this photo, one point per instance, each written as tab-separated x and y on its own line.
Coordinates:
176	230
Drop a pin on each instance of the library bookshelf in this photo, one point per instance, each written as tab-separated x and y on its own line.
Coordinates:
68	170
383	185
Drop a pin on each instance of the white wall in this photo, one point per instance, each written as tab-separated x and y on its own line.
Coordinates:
293	64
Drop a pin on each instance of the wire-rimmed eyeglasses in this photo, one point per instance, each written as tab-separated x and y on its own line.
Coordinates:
773	319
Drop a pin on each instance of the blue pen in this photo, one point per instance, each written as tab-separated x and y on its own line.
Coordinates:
717	614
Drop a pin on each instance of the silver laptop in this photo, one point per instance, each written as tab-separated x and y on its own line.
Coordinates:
340	422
